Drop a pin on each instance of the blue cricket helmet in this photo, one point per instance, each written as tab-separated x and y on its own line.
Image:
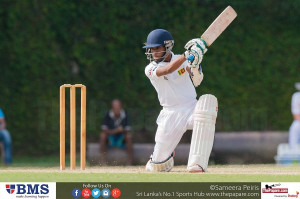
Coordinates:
156	38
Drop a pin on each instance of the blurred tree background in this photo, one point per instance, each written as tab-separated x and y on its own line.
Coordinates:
251	68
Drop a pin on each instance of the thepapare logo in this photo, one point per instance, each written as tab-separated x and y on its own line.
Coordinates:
29	188
271	186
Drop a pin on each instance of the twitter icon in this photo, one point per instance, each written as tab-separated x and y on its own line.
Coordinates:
96	193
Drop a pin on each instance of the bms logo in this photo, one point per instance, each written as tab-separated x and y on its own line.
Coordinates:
10	188
28	188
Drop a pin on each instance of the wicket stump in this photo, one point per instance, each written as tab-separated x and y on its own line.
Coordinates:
72	126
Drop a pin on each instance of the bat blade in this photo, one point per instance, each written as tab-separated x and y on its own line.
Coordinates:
219	25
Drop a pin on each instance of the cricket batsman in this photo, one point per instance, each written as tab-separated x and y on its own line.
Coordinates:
170	76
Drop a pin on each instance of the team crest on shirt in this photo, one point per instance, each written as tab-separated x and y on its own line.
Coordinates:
151	70
181	71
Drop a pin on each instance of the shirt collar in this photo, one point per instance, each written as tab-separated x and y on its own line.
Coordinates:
112	115
172	58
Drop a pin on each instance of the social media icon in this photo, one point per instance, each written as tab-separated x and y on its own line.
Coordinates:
105	193
96	193
116	193
86	193
76	193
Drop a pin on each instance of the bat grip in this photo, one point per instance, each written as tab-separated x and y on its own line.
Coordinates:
190	58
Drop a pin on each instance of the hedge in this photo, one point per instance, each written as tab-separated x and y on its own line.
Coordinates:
251	68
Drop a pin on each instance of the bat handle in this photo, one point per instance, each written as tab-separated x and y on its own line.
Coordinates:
190	58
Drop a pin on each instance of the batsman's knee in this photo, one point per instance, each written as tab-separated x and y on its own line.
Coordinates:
206	109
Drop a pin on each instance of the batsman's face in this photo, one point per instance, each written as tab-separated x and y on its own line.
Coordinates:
158	52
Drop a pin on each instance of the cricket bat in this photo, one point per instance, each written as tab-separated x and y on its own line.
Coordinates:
217	27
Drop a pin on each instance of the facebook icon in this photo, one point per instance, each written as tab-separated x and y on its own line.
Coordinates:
76	193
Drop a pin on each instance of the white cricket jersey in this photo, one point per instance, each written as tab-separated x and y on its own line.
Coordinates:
296	103
174	89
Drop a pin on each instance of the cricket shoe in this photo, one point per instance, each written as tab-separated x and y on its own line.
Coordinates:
195	169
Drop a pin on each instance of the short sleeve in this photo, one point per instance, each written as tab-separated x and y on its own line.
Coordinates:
296	103
1	114
150	71
126	123
105	122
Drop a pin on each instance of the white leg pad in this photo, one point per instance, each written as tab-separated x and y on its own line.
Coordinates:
164	166
205	115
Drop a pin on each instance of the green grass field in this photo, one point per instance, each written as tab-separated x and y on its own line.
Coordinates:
47	170
52	175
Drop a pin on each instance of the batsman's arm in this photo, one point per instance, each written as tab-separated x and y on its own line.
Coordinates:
170	67
296	117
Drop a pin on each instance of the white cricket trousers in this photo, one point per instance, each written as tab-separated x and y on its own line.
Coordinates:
172	124
294	134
